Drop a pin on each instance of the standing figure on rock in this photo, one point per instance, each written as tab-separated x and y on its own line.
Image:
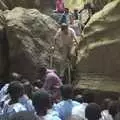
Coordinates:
59	6
65	38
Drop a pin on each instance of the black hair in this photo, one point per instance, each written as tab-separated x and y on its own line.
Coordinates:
114	108
38	83
42	70
93	112
28	88
41	102
76	14
79	98
88	96
64	26
66	92
15	90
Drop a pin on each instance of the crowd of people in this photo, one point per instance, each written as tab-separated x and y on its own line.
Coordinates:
79	15
67	38
49	99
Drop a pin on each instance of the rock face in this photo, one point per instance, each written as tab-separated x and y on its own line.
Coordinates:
98	4
42	5
30	35
99	50
4	49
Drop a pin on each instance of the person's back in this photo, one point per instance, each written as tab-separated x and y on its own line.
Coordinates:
64	108
12	109
65	40
78	112
24	100
52	84
12	105
52	81
105	115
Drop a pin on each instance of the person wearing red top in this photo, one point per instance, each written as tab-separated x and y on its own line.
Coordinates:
59	6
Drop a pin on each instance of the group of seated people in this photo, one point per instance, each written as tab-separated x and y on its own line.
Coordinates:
24	100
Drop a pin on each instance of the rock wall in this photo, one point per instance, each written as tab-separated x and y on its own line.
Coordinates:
99	49
30	35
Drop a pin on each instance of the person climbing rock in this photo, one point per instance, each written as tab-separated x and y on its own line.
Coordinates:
65	38
51	82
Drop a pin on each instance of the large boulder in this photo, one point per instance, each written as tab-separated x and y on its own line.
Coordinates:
30	35
99	49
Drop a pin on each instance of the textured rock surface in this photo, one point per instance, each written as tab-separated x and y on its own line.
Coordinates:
101	37
4	49
42	5
99	49
30	35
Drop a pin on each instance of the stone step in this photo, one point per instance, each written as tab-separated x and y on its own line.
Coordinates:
99	82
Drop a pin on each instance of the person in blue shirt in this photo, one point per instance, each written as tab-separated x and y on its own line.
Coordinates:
64	108
66	17
23	98
12	105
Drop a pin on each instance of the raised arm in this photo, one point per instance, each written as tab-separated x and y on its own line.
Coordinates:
56	37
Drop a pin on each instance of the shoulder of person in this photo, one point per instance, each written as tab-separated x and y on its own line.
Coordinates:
19	107
76	103
71	30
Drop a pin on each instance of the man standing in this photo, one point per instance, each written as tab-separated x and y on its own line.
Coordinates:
65	38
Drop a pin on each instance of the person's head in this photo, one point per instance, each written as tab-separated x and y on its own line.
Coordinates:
28	88
38	83
42	72
66	10
88	96
15	90
93	112
114	108
76	14
79	98
64	28
106	103
16	76
41	102
66	92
